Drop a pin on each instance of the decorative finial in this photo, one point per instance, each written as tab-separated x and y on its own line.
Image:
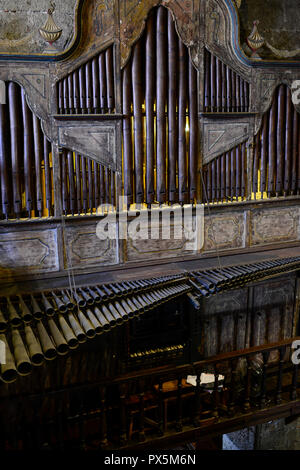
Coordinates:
50	31
51	9
255	41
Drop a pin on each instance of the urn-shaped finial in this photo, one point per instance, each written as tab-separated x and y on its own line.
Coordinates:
255	40
50	31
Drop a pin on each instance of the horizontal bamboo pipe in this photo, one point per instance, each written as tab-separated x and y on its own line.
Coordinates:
3	323
94	321
78	331
23	363
102	319
59	340
46	343
25	312
49	309
36	311
86	325
33	346
67	331
13	316
8	370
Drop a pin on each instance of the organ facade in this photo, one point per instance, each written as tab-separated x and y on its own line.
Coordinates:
147	105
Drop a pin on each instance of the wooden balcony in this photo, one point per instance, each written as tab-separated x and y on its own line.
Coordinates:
159	407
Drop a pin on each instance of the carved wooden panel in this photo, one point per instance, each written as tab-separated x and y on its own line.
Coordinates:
187	17
95	140
224	231
272	312
83	248
133	14
221	135
216	23
224	322
142	248
25	252
274	225
36	83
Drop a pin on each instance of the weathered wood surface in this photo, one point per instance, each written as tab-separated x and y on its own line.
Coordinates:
97	141
27	252
223	134
248	317
83	248
250	229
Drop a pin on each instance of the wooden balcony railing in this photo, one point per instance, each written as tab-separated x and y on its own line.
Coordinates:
157	405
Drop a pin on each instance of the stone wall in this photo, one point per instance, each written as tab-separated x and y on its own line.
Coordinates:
274	435
20	22
279	23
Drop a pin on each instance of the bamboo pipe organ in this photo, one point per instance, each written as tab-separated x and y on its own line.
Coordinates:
25	159
86	184
157	102
89	89
225	90
160	95
161	157
39	327
276	163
